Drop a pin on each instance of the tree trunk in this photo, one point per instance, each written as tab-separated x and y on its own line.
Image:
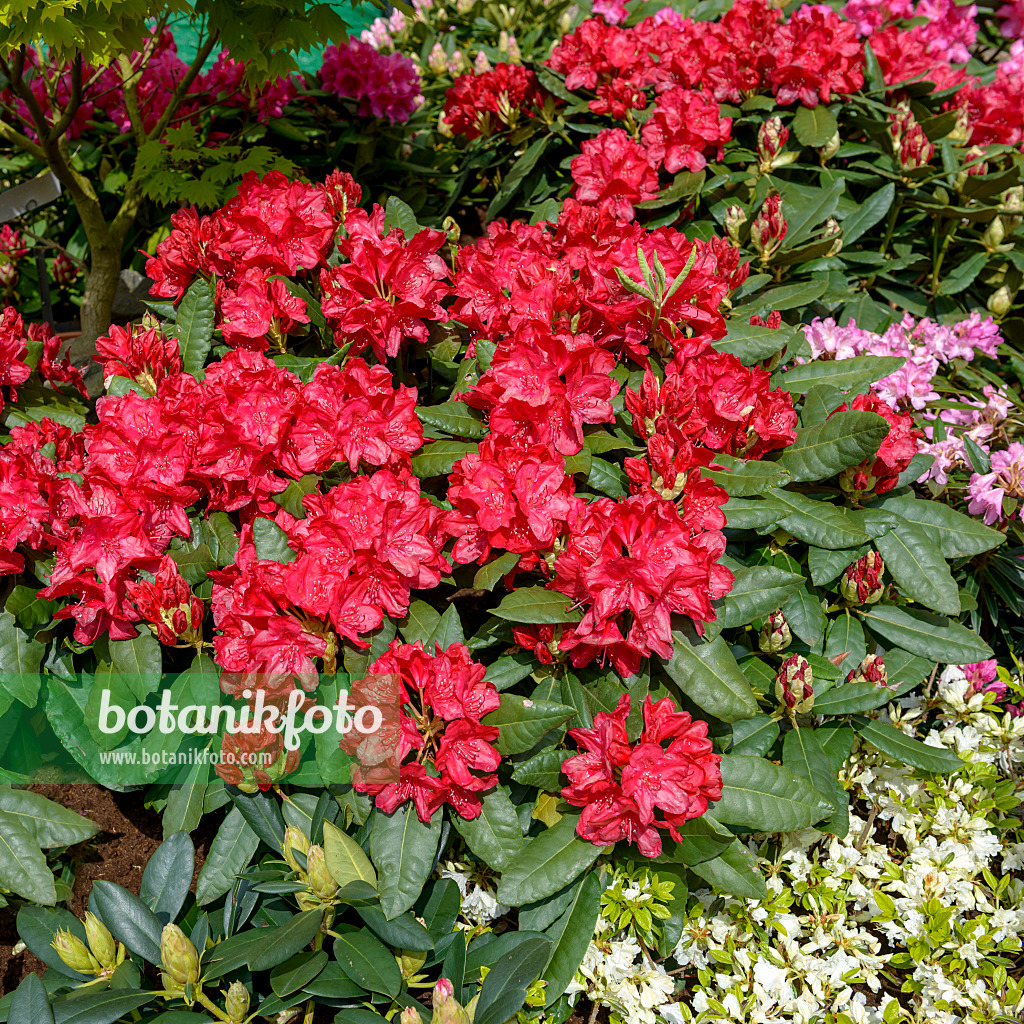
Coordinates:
100	287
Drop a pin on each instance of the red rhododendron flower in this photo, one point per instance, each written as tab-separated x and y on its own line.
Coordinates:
614	172
13	350
389	287
685	125
879	474
492	101
515	498
168	604
142	354
636	556
635	791
444	696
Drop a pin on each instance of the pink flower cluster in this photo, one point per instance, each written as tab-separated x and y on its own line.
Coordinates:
925	344
1005	479
947	31
386	85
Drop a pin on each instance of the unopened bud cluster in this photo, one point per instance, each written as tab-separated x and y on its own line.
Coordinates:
861	582
794	685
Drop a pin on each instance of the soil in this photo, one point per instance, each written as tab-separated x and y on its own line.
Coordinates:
130	832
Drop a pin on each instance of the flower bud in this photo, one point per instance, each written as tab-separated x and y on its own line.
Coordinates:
775	634
915	149
994	235
769	228
64	271
794	685
74	952
294	840
830	149
236	1002
771	138
870	670
861	582
101	942
410	1015
481	63
438	60
1000	301
835	232
1013	200
735	218
320	879
447	1009
8	276
178	956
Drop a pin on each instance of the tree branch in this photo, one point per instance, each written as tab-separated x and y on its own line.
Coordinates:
74	102
129	80
182	88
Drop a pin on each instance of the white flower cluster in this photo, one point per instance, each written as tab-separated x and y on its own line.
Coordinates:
914	918
480	905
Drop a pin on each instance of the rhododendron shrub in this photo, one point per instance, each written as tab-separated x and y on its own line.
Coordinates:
582	537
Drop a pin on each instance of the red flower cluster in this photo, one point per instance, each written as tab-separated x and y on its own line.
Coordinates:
15	341
685	125
388	287
633	564
274	227
447	755
168	604
879	474
712	400
356	555
624	787
511	497
233	441
493	100
138	353
809	59
613	172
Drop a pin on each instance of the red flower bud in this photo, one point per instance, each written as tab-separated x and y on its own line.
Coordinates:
775	634
870	670
861	582
794	685
769	228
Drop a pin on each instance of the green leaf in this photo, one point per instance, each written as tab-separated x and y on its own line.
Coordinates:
36	928
402	849
852	698
296	972
128	918
185	801
754	736
504	989
963	274
404	932
822	450
846	637
757	514
747	477
543	770
20	658
803	755
734	872
23	867
708	674
751	344
818	522
757	591
345	858
194	325
368	962
398	214
846	374
230	852
511	181
957	535
272	542
926	635
814	126
453	418
494	835
263	814
759	795
489	573
168	876
918	567
421	621
806	615
521	722
906	750
571	935
868	213
510	669
701	839
275	945
806	209
537	606
48	822
439	457
30	1005
550	860
448	631
98	1007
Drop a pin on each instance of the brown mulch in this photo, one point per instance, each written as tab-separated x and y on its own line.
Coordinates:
129	833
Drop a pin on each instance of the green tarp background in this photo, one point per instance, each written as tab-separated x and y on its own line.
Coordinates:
357	18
